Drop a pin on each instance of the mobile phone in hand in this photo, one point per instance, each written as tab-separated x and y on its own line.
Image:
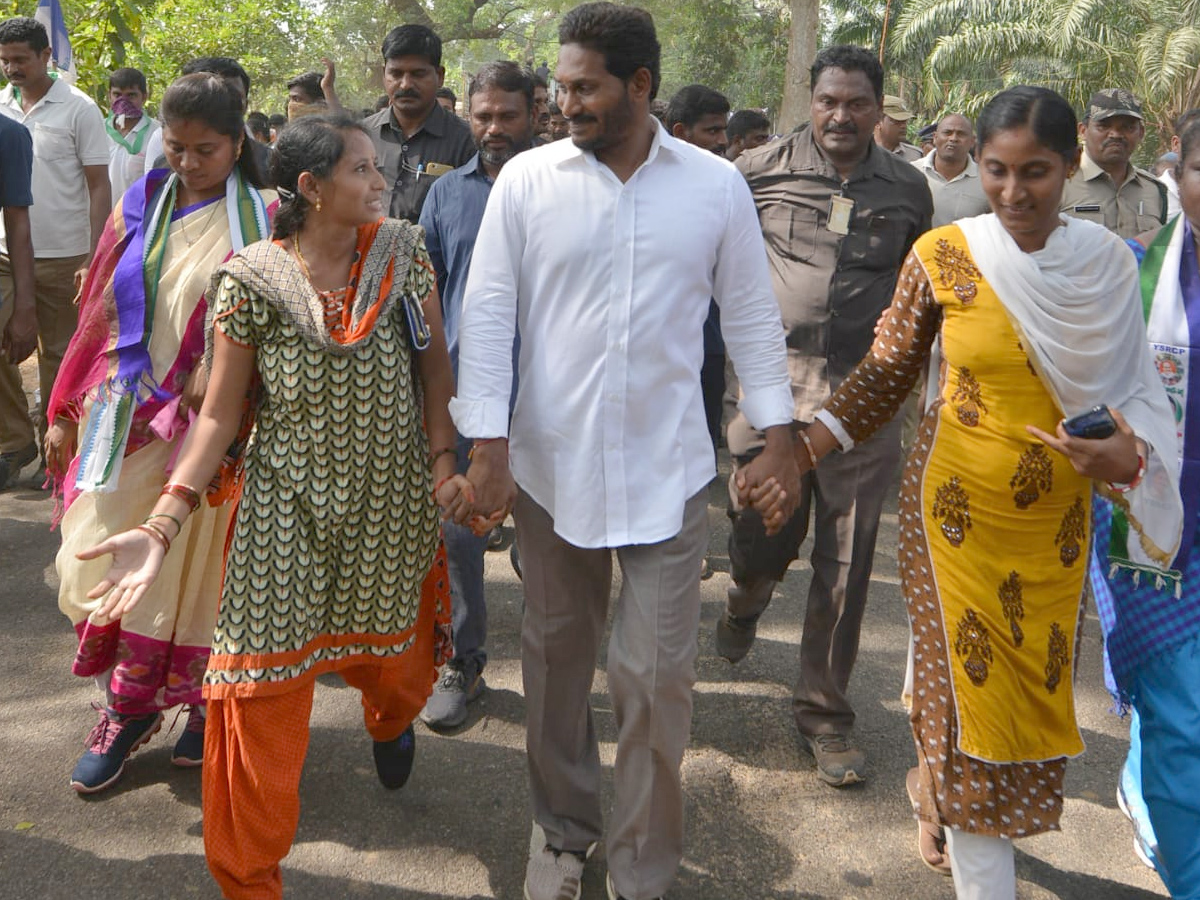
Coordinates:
1095	424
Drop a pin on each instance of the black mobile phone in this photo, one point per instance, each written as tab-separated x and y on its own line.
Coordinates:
1094	424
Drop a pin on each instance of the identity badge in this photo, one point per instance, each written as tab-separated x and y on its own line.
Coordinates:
840	209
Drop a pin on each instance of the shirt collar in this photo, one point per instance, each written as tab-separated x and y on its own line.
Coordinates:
434	124
926	162
812	157
660	143
1090	170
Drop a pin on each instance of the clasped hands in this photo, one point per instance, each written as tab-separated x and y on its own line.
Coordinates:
770	483
483	498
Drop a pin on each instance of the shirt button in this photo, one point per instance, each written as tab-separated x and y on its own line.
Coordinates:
835	313
613	398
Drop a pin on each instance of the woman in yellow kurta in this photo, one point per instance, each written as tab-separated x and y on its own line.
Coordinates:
1038	318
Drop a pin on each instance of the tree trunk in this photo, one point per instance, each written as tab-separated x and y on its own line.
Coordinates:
802	48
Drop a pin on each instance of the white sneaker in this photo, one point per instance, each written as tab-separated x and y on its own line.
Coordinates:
554	874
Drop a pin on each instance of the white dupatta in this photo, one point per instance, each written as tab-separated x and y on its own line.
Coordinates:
1077	308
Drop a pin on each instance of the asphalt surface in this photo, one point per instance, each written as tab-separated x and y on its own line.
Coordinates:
761	825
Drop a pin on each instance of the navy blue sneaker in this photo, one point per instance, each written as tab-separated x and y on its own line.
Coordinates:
111	742
189	749
394	759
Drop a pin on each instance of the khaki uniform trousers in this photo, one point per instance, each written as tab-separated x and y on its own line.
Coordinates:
54	293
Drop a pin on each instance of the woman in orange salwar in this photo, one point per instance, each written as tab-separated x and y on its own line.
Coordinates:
1036	318
334	329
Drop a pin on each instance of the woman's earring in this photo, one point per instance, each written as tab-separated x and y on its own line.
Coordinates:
317	206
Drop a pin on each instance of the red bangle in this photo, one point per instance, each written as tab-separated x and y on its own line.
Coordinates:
188	495
157	533
1137	479
475	446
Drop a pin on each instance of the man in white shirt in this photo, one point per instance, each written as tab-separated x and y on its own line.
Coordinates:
952	175
608	443
129	129
71	200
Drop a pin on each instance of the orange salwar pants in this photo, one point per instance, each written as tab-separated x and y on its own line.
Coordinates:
254	749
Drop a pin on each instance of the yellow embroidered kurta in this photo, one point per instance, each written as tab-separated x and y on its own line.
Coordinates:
993	544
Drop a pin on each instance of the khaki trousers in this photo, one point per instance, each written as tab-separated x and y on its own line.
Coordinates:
54	293
651	670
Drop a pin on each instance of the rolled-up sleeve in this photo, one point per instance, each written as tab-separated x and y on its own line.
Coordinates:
489	317
750	320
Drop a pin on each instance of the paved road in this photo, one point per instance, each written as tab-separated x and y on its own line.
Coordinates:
761	826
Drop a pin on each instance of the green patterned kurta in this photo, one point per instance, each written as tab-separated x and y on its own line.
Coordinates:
336	528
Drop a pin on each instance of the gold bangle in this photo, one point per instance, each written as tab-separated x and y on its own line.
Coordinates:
158	534
808	445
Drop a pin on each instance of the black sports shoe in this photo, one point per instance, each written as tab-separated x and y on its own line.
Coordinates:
394	759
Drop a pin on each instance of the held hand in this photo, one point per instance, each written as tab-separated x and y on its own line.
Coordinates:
1113	459
455	498
495	490
193	389
774	502
20	335
137	558
61	440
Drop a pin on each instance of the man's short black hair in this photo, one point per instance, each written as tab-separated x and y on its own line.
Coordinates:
503	76
24	30
744	121
623	35
277	120
124	79
849	59
413	40
539	80
447	94
224	66
692	103
259	125
310	83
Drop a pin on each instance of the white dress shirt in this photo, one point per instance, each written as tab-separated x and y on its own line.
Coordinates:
609	285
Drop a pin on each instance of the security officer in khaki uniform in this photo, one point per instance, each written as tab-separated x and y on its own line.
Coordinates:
1107	189
893	126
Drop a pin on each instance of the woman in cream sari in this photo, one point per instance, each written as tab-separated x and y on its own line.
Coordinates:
131	379
1036	318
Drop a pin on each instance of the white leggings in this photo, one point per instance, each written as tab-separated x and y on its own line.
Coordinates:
982	866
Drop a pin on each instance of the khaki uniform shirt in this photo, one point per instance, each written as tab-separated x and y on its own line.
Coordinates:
907	152
960	197
443	141
1137	205
831	288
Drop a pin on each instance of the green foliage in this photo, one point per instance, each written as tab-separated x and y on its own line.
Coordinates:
969	49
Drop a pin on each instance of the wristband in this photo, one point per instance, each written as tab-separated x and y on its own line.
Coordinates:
435	454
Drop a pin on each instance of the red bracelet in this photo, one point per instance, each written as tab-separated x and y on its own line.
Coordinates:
188	495
1137	479
475	446
157	533
437	487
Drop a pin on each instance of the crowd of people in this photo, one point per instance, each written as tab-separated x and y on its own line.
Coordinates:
293	373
